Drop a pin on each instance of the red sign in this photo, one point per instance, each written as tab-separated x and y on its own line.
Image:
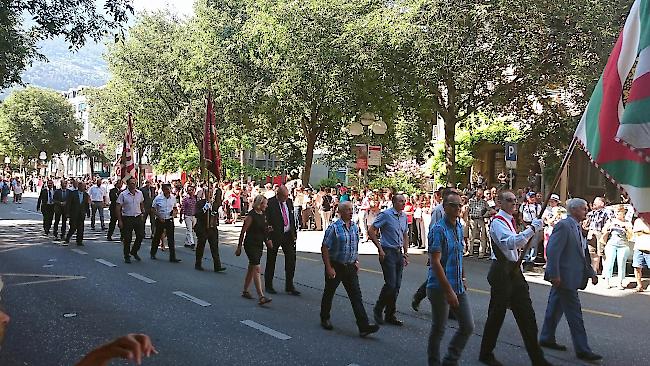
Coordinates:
362	156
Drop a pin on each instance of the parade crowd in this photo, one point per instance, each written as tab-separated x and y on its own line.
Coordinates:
573	242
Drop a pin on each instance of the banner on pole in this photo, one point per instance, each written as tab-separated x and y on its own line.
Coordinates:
362	156
374	155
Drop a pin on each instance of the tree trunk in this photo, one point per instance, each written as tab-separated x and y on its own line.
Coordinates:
309	157
450	150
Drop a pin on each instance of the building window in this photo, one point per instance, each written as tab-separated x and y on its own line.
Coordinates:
595	179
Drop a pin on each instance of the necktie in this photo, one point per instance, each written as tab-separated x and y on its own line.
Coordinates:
49	196
285	216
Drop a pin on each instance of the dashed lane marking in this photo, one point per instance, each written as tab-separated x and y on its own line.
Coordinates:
141	277
28	211
52	278
191	298
370	270
617	316
105	262
267	330
79	251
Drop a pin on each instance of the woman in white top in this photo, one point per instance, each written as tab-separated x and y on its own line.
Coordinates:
617	231
641	250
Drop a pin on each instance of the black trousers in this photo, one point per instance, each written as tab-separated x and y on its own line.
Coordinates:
60	216
148	213
510	289
48	213
210	235
421	293
288	245
131	224
76	226
113	221
167	226
346	273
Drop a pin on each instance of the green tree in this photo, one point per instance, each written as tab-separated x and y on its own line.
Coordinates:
75	20
34	120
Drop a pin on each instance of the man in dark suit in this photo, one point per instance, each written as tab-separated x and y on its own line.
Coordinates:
279	215
568	268
207	221
112	196
149	193
60	209
45	204
78	209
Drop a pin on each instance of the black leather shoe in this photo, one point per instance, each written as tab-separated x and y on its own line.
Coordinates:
293	292
326	324
553	345
415	305
490	360
127	260
80	244
175	260
394	321
187	246
220	269
108	238
198	268
379	317
271	290
371	328
589	356
153	257
136	256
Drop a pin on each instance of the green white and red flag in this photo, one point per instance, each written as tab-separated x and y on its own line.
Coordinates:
616	136
211	153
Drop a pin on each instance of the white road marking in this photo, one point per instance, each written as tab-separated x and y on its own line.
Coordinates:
141	278
105	262
267	330
52	260
191	298
48	265
79	251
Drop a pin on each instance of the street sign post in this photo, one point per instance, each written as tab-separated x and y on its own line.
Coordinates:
511	159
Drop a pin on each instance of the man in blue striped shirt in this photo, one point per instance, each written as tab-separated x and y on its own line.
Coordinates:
446	283
340	252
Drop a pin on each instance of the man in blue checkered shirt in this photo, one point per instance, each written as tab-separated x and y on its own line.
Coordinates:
340	252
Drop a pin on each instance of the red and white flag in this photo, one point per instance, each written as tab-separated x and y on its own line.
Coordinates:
127	169
211	153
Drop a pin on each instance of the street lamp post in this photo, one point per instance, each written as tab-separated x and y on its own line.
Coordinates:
374	125
43	157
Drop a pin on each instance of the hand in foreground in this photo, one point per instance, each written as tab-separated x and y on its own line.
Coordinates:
331	273
269	245
381	255
594	280
238	251
452	299
130	347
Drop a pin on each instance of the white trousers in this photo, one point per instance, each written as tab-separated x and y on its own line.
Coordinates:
190	221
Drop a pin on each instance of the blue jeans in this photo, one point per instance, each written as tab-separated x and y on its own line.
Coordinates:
565	301
616	251
439	314
391	266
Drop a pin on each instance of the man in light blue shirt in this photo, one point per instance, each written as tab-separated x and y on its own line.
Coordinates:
393	256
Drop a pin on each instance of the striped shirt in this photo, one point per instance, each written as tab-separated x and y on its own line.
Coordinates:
188	206
448	241
598	218
341	242
476	207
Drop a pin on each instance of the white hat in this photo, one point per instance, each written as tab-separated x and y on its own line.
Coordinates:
555	197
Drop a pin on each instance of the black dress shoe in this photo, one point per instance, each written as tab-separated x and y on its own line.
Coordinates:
136	256
127	260
293	292
220	269
490	360
175	260
198	268
589	356
394	321
80	244
271	290
415	305
187	246
108	238
326	324
553	345
371	328
379	317
153	257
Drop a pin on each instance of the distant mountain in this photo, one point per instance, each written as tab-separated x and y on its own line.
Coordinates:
66	69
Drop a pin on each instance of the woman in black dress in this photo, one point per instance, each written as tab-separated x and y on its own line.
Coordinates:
255	231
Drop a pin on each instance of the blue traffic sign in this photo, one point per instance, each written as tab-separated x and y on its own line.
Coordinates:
511	151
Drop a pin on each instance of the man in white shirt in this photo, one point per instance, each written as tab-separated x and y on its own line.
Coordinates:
163	208
508	287
530	211
130	208
97	194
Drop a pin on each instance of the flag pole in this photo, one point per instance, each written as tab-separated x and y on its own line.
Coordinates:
556	180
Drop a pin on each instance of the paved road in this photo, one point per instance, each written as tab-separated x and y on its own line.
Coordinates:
63	301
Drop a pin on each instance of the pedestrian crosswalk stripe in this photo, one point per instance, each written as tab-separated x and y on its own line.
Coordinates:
142	278
267	330
79	251
105	262
191	298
